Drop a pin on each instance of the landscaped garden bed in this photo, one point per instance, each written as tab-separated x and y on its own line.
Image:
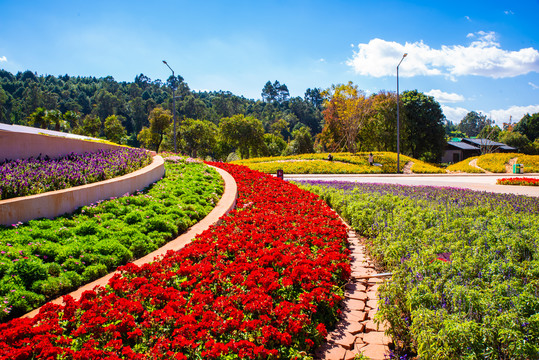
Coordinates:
43	259
342	163
525	181
265	283
464	264
24	177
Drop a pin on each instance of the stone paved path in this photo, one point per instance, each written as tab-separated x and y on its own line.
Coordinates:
356	333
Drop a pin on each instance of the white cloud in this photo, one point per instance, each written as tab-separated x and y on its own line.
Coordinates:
455	115
482	57
3	59
499	116
534	87
468	18
444	97
509	12
517	112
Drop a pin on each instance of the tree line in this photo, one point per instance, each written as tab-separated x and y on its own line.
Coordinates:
222	125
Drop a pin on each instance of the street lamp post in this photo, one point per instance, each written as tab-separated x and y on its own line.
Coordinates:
174	110
398	118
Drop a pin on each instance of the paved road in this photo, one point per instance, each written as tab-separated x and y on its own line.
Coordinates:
476	182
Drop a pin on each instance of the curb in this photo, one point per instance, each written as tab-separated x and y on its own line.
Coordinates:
225	205
51	204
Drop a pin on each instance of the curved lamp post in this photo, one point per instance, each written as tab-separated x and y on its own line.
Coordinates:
398	117
174	111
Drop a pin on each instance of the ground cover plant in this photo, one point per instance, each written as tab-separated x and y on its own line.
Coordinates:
464	166
24	177
43	258
530	162
342	163
464	264
263	284
519	181
495	162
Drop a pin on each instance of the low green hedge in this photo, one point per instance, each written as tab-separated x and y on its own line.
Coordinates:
44	258
464	264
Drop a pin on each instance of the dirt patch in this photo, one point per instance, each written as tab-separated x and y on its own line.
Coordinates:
407	169
473	163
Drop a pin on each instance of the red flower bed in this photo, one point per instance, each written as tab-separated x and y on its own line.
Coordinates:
265	283
518	181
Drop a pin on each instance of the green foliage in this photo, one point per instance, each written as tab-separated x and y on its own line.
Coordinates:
86	102
47	258
243	133
474	123
528	126
199	137
423	132
516	140
302	143
160	122
114	130
477	301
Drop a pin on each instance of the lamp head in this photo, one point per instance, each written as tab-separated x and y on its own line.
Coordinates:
405	55
164	62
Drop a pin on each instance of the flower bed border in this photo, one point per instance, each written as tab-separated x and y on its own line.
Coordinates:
56	203
223	207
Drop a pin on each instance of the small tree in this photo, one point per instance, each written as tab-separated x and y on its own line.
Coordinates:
160	121
199	137
302	143
114	130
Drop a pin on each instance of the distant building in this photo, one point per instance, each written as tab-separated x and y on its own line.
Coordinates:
459	149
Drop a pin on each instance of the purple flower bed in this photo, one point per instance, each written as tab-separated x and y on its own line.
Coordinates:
455	196
35	176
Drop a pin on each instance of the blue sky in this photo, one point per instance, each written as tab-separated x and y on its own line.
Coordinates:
469	55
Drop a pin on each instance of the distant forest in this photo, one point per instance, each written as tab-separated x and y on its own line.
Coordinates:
73	104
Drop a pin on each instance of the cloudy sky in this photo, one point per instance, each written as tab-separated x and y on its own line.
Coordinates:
469	55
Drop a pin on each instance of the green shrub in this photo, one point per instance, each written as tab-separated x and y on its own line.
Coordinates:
95	239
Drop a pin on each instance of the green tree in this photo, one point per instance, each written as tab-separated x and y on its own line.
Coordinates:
529	126
490	132
423	136
38	118
473	123
302	143
275	145
72	118
114	130
246	134
199	137
91	126
515	139
160	122
4	109
314	97
381	131
54	117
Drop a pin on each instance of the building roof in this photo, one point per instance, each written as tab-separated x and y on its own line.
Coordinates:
487	142
462	145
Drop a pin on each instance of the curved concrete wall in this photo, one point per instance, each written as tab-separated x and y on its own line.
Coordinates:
56	203
22	145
